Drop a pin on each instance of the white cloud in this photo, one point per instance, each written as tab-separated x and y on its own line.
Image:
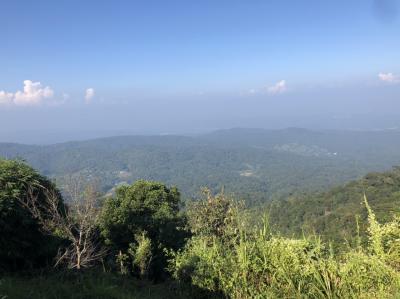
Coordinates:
6	98
34	94
89	95
389	78
279	87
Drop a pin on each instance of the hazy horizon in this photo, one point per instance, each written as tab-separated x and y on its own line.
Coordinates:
48	137
76	70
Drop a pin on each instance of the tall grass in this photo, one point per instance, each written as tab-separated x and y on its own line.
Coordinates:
259	264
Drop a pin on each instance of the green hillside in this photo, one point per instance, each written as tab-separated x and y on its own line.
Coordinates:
255	164
333	213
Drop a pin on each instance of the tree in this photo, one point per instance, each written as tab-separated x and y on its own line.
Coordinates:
22	242
77	223
214	215
144	209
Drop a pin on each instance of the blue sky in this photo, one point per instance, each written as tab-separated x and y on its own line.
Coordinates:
257	59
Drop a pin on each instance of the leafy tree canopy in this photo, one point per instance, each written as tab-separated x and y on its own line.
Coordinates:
332	214
21	241
143	207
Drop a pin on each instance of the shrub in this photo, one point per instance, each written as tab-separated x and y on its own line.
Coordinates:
141	254
22	244
260	264
144	207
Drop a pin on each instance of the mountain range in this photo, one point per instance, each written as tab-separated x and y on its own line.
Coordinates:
257	165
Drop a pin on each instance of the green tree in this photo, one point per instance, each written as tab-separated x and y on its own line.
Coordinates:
22	242
148	208
214	215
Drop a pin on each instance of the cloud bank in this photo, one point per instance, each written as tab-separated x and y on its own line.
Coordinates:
389	78
33	94
6	98
278	88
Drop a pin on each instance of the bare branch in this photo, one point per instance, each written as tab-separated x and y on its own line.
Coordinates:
76	223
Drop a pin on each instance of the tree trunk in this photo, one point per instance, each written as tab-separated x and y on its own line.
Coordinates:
78	258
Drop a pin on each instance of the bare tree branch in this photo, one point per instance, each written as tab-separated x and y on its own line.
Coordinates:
75	222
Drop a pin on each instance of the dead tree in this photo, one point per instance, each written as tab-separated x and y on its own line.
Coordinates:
74	221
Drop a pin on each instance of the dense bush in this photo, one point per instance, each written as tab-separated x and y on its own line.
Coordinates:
22	244
259	264
141	224
214	215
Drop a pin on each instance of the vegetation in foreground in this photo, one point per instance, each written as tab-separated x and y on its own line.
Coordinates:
141	244
255	263
99	285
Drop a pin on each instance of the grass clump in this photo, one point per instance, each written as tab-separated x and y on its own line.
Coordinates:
259	264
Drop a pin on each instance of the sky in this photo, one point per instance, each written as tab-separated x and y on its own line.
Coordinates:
80	68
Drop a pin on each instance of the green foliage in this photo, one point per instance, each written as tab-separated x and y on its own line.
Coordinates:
148	208
141	254
257	165
214	215
22	244
260	264
86	285
228	255
332	214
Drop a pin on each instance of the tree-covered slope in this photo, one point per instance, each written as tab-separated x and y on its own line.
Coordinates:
332	214
255	164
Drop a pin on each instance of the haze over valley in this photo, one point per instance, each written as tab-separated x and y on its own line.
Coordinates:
200	149
256	164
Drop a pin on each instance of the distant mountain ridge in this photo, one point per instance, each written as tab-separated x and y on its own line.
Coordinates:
256	164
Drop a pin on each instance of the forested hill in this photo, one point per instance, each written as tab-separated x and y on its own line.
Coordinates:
255	164
332	214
